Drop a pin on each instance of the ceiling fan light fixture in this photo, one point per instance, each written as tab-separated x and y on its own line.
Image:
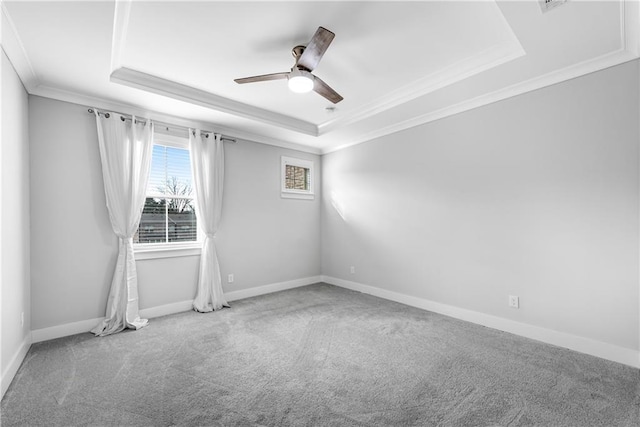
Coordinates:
300	81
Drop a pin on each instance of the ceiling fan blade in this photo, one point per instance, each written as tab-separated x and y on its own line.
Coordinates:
325	90
262	78
316	48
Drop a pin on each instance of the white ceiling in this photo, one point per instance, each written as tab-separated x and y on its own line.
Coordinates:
397	64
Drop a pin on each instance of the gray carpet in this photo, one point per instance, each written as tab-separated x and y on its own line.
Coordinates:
317	355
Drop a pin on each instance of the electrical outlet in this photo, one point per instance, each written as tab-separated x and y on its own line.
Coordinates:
514	301
353	269
230	278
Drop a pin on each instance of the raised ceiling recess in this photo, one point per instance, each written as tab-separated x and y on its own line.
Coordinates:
396	64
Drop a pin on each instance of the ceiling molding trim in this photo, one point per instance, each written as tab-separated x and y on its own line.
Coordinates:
91	101
121	15
494	56
17	54
171	89
630	26
605	61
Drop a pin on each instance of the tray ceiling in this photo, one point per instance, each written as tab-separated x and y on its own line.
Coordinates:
397	64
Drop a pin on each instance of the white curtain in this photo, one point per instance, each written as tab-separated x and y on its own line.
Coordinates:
125	151
207	166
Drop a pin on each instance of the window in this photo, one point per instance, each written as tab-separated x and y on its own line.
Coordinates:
168	217
297	178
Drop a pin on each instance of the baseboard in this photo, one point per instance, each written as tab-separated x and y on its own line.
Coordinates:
64	330
561	339
166	309
73	328
14	364
273	287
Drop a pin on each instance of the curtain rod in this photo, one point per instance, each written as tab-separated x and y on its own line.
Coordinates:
124	116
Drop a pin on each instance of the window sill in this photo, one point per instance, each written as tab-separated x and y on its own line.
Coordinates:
292	195
165	251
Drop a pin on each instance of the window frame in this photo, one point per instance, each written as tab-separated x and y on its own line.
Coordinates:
170	249
290	193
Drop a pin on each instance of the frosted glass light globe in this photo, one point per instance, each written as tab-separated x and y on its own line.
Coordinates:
300	81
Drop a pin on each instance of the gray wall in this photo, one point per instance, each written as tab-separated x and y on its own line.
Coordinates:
14	214
534	196
262	239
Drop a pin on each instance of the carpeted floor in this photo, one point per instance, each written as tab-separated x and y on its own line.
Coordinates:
317	355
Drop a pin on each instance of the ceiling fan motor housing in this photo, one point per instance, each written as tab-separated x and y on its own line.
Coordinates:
297	51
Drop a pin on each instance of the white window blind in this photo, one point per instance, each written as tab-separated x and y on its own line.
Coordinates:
169	213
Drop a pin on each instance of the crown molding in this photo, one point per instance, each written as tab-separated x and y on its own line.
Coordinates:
485	60
498	54
630	26
629	50
121	15
171	89
150	83
15	51
554	77
13	47
103	104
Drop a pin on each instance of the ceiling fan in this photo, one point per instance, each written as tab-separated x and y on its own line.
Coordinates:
307	58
